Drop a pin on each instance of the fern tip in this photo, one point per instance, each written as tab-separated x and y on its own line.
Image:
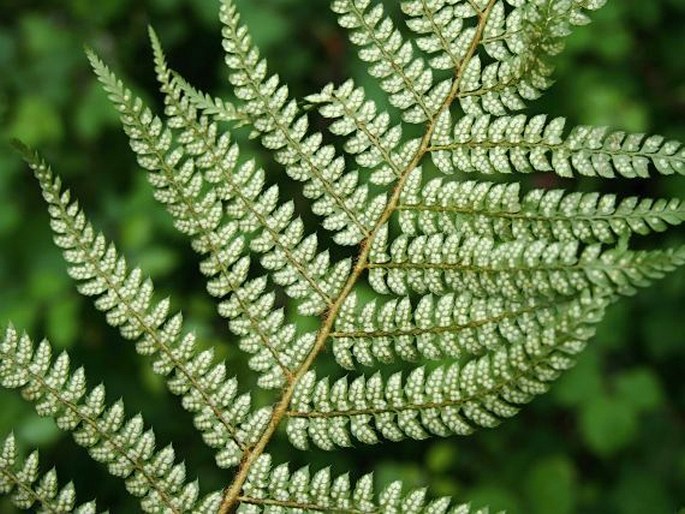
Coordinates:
96	63
21	147
155	42
90	53
30	156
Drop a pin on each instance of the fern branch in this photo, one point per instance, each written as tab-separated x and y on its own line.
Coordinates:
21	481
499	212
440	27
249	308
509	287
124	446
339	198
211	106
276	487
521	42
404	77
516	143
234	489
301	270
375	144
448	326
514	269
203	385
450	399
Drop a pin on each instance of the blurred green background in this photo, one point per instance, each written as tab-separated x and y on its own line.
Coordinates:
609	438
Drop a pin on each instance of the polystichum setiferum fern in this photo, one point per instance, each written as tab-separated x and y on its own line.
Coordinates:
487	292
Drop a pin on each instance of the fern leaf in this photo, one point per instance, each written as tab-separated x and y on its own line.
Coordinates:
214	108
371	138
498	211
249	307
440	27
272	488
126	297
516	143
290	257
405	77
514	269
211	106
491	295
521	45
437	327
449	399
27	490
124	446
344	203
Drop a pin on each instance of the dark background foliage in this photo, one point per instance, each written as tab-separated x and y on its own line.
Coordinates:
609	438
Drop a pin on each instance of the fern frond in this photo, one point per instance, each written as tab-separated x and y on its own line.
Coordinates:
198	213
213	107
499	211
375	143
440	27
290	257
27	490
344	203
449	399
490	294
516	143
272	488
404	76
514	269
124	446
437	327
521	44
221	414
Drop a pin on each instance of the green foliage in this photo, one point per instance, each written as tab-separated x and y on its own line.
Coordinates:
18	480
123	445
487	292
